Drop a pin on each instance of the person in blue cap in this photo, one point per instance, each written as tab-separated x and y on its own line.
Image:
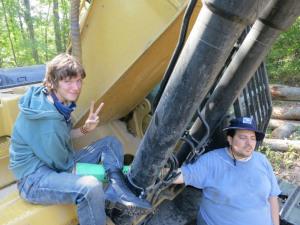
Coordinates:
238	183
42	156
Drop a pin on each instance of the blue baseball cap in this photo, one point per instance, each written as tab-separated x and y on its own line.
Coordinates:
245	123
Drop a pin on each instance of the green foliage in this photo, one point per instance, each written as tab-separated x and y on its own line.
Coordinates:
15	36
283	61
285	162
280	160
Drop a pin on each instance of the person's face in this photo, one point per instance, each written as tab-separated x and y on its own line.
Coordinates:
242	143
69	89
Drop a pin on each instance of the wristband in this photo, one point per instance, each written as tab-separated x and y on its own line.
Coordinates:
83	130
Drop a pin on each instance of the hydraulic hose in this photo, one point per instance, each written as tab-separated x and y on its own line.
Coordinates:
184	27
217	28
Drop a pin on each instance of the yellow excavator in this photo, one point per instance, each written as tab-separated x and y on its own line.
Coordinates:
171	73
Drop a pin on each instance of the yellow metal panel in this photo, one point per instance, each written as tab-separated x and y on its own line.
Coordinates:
9	99
126	46
6	176
15	211
8	112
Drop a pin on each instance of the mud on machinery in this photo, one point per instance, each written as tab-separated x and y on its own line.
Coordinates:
214	74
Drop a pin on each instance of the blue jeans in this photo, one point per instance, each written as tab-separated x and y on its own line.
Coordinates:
47	186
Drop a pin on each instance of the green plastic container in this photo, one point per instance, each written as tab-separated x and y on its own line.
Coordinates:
96	170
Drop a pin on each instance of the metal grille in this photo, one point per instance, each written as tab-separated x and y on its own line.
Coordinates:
255	99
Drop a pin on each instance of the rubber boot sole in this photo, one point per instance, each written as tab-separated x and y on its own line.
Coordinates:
129	210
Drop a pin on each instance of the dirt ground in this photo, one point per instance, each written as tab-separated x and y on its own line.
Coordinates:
286	165
292	174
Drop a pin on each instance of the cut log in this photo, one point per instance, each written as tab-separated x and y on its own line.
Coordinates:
282	145
283	92
283	131
274	123
286	111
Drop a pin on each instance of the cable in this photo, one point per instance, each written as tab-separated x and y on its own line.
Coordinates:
178	49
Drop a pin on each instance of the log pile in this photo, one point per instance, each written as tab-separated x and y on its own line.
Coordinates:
285	119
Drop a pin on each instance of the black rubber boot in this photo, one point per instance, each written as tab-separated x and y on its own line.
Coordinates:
118	195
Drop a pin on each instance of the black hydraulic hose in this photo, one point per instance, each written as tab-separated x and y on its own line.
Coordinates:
277	17
203	56
183	31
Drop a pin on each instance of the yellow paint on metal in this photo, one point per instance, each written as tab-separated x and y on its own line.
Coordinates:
9	99
6	176
8	112
15	211
140	119
126	46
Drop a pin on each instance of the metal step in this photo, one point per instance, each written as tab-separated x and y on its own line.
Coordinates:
290	203
6	175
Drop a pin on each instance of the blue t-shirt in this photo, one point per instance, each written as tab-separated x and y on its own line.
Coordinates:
233	195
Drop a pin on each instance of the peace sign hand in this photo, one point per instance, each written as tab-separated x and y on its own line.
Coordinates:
93	118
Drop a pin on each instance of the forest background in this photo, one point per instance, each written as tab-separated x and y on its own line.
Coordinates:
34	31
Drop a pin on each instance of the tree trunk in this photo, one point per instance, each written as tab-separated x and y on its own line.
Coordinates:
29	23
283	92
46	33
9	34
283	131
282	145
274	123
57	30
20	21
21	26
65	28
75	29
290	111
